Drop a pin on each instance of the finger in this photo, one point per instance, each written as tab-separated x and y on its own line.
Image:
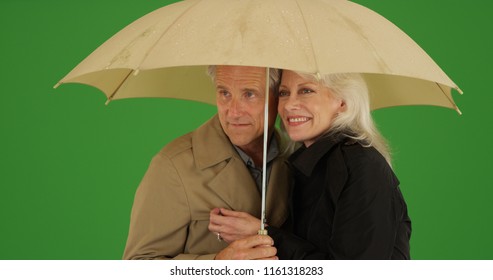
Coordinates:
231	213
259	246
262	253
217	217
228	222
274	258
215	211
214	228
255	240
243	219
219	220
234	221
233	237
222	225
229	238
213	219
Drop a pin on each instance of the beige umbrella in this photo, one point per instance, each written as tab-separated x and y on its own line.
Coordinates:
165	53
147	58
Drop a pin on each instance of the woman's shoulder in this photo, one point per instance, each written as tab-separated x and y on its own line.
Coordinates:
366	162
357	154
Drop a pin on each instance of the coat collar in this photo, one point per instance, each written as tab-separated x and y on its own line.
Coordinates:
305	159
211	149
211	145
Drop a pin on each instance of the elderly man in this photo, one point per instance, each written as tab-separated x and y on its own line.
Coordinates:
217	165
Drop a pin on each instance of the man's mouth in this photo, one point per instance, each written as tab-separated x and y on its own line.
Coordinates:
238	124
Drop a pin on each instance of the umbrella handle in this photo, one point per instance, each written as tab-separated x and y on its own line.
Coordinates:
262	232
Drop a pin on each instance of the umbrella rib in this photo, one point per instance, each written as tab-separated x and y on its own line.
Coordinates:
449	99
310	39
118	87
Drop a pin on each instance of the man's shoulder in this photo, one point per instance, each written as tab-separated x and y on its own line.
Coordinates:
186	142
177	146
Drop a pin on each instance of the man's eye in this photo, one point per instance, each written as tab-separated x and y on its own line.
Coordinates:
224	93
250	94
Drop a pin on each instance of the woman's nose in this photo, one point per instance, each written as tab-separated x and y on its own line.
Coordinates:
292	103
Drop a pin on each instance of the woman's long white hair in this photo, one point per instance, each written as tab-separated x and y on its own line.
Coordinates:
356	121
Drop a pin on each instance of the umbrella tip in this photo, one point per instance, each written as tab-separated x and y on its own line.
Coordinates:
458	111
459	91
57	85
107	102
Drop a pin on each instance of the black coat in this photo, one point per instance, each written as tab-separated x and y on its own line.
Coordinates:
345	204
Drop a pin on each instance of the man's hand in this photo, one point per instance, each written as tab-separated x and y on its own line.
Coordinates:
233	225
256	247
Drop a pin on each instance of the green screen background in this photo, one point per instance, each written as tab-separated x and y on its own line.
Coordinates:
69	165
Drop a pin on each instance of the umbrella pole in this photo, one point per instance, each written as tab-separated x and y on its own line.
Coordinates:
263	219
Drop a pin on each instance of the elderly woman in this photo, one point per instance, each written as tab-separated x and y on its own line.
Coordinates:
346	202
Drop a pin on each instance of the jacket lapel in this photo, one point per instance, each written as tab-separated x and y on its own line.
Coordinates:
236	187
232	181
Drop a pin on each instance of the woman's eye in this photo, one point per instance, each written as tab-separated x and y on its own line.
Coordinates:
306	91
283	93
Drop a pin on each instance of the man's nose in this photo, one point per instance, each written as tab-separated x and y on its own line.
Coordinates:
235	106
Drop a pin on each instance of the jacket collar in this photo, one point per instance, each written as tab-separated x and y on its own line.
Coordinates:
305	159
207	155
211	145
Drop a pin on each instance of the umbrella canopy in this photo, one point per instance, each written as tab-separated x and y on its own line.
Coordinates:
164	54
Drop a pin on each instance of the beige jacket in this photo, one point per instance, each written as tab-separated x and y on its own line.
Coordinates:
185	180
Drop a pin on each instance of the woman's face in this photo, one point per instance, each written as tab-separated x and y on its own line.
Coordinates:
307	108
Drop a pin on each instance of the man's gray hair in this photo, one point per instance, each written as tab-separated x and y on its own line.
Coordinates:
274	76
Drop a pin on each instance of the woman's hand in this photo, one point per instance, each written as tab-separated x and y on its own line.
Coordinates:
233	225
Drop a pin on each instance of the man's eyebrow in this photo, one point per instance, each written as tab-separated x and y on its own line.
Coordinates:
251	89
221	87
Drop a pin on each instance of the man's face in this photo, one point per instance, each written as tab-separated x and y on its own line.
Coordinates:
240	93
